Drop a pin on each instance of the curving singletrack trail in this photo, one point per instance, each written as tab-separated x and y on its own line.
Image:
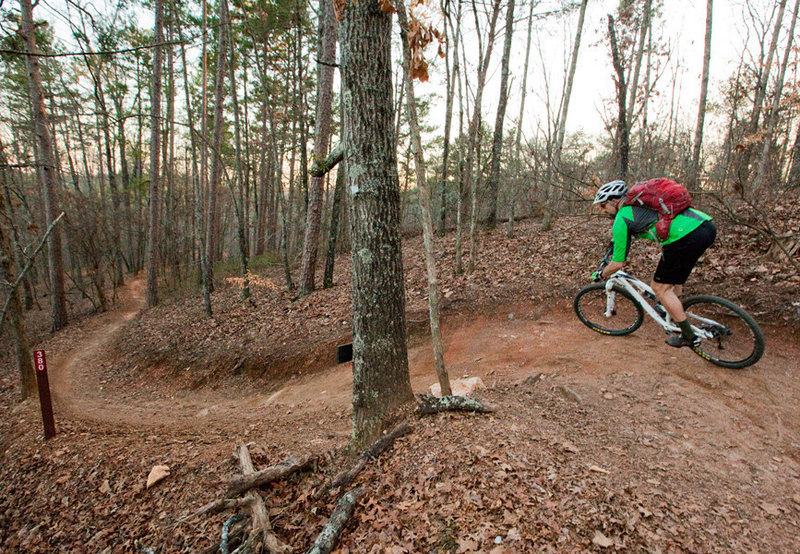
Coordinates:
502	348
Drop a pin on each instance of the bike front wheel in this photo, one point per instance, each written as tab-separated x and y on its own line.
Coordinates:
591	308
735	340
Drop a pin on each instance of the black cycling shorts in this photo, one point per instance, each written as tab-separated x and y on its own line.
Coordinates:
679	258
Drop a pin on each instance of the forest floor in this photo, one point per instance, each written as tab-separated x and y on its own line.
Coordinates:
598	443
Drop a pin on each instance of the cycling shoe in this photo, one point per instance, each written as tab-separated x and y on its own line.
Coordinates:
678	341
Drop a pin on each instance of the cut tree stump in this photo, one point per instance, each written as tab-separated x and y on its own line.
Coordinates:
326	539
429	404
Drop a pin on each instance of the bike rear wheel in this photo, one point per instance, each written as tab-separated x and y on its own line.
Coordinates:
736	341
590	307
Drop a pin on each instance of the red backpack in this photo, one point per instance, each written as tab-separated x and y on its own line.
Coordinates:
666	197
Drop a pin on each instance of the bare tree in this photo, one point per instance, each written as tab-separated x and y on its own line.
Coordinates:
776	104
213	215
327	58
493	182
561	126
694	171
474	126
153	235
622	125
424	195
46	166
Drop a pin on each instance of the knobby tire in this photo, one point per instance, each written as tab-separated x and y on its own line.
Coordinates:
738	340
590	303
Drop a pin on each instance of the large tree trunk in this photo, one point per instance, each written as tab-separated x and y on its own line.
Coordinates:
153	235
424	195
327	58
694	170
380	360
46	168
493	183
622	125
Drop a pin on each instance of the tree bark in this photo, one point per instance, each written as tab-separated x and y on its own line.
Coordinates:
694	171
153	235
46	168
327	58
381	380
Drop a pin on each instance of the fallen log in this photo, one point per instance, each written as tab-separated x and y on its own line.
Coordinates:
258	512
375	450
429	404
326	539
242	483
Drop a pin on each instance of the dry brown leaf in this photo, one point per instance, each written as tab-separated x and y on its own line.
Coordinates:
158	473
601	540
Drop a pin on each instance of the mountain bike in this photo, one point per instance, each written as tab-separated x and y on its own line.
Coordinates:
729	336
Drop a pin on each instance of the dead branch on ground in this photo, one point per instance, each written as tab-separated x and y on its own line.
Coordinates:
346	477
260	519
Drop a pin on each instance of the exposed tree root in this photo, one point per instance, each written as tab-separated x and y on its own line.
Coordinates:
429	404
326	539
345	478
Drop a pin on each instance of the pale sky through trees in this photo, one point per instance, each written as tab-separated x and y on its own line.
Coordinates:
682	23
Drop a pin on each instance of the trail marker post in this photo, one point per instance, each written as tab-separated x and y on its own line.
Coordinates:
40	364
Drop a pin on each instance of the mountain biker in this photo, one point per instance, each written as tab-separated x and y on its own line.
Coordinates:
691	233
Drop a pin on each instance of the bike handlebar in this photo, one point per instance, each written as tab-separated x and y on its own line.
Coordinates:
606	259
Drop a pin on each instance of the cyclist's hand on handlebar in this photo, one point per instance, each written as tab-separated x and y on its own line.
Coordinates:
597	276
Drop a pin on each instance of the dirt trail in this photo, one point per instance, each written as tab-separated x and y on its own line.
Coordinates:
752	408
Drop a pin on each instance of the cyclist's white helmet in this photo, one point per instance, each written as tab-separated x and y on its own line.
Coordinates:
609	191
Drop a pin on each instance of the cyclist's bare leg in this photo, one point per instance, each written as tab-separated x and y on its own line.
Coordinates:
668	296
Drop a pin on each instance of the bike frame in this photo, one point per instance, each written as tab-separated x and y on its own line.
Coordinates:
639	290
